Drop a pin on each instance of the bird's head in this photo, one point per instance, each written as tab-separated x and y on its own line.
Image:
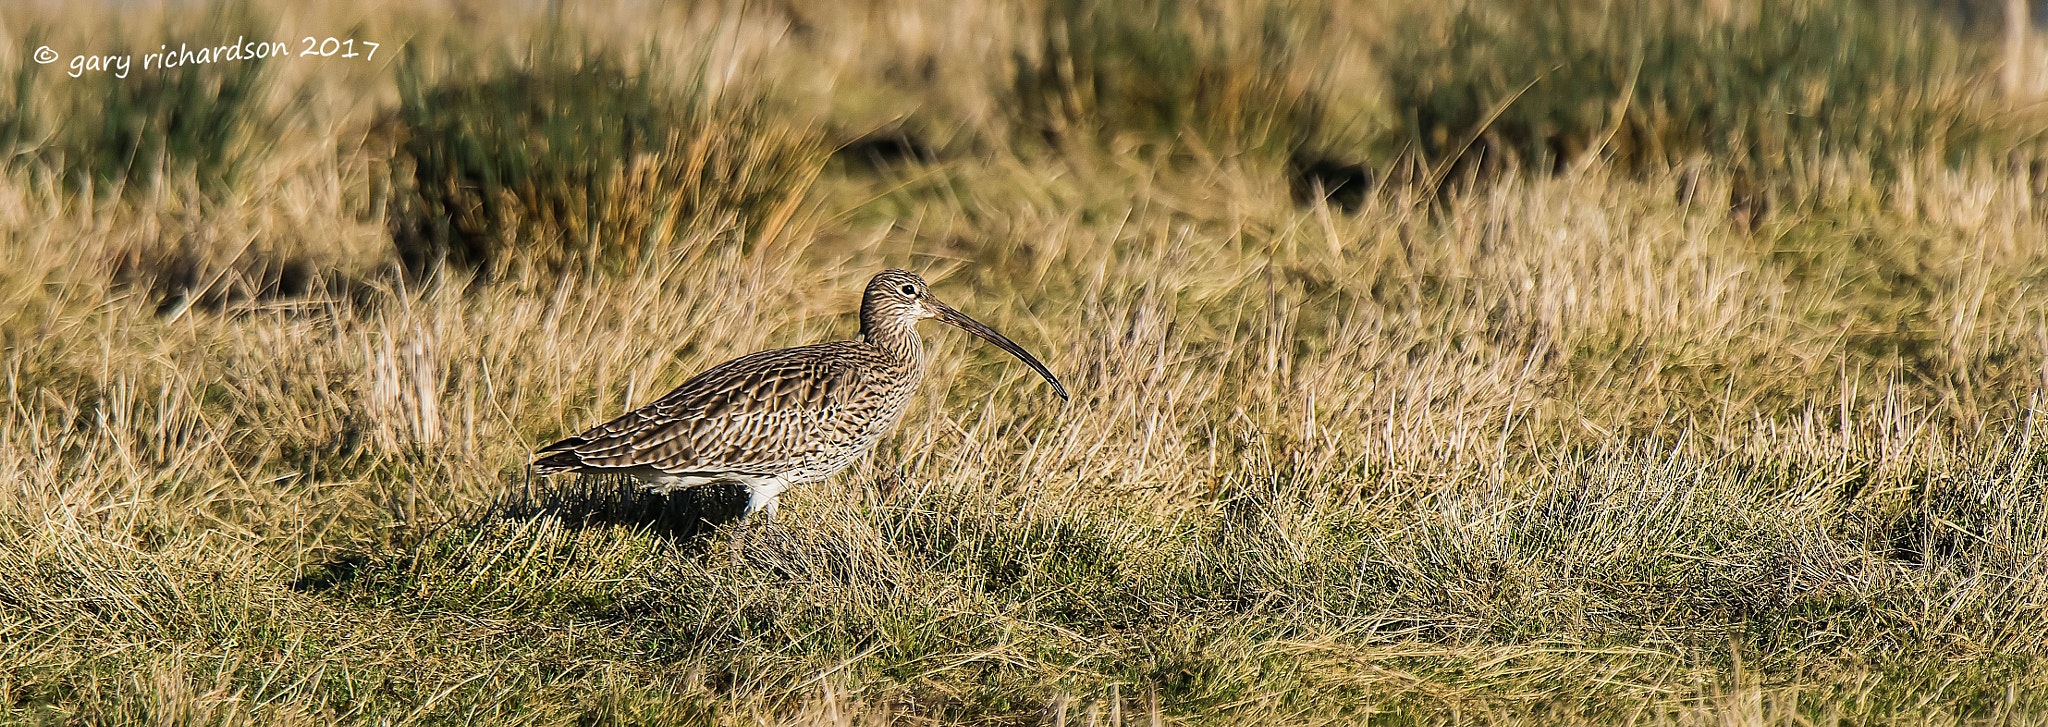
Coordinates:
900	297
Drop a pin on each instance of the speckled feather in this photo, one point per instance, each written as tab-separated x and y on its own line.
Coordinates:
785	417
802	413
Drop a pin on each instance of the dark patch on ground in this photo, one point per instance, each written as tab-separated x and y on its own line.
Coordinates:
887	148
181	279
322	577
587	501
1314	179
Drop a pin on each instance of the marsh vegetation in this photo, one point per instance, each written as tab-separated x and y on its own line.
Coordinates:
1483	362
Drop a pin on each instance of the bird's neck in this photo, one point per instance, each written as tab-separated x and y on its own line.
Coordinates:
897	337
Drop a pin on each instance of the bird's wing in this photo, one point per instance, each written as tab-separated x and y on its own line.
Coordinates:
756	413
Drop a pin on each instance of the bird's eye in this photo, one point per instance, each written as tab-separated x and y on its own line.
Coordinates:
909	289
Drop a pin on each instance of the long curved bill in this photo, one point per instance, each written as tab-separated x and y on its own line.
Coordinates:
947	314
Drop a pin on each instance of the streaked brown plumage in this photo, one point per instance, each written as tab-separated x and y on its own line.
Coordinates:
775	419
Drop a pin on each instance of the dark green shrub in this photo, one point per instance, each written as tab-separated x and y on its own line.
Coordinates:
204	120
1162	70
583	162
23	127
1543	84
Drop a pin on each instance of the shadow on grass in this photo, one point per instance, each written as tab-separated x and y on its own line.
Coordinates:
597	500
684	518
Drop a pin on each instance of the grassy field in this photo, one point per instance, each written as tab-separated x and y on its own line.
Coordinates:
1643	365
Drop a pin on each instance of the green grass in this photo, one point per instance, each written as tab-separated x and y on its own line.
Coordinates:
1582	446
1769	89
1213	78
200	125
570	159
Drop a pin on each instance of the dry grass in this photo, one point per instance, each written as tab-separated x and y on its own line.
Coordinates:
1583	448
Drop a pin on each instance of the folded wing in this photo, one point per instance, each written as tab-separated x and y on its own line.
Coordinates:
760	413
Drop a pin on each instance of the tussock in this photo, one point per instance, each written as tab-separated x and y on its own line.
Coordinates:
1570	446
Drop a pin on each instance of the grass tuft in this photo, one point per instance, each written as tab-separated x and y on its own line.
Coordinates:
1768	89
578	162
1737	421
1214	77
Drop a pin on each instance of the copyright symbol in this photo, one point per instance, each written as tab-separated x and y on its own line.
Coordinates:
45	55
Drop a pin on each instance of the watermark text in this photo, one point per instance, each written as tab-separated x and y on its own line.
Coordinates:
165	57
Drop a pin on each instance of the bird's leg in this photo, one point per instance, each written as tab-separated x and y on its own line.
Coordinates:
759	497
764	497
768	527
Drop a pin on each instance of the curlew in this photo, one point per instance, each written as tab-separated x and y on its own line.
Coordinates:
772	420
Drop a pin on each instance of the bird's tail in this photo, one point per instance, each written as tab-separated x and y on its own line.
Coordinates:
557	462
560	457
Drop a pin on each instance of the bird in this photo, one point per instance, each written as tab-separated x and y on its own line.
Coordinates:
775	419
